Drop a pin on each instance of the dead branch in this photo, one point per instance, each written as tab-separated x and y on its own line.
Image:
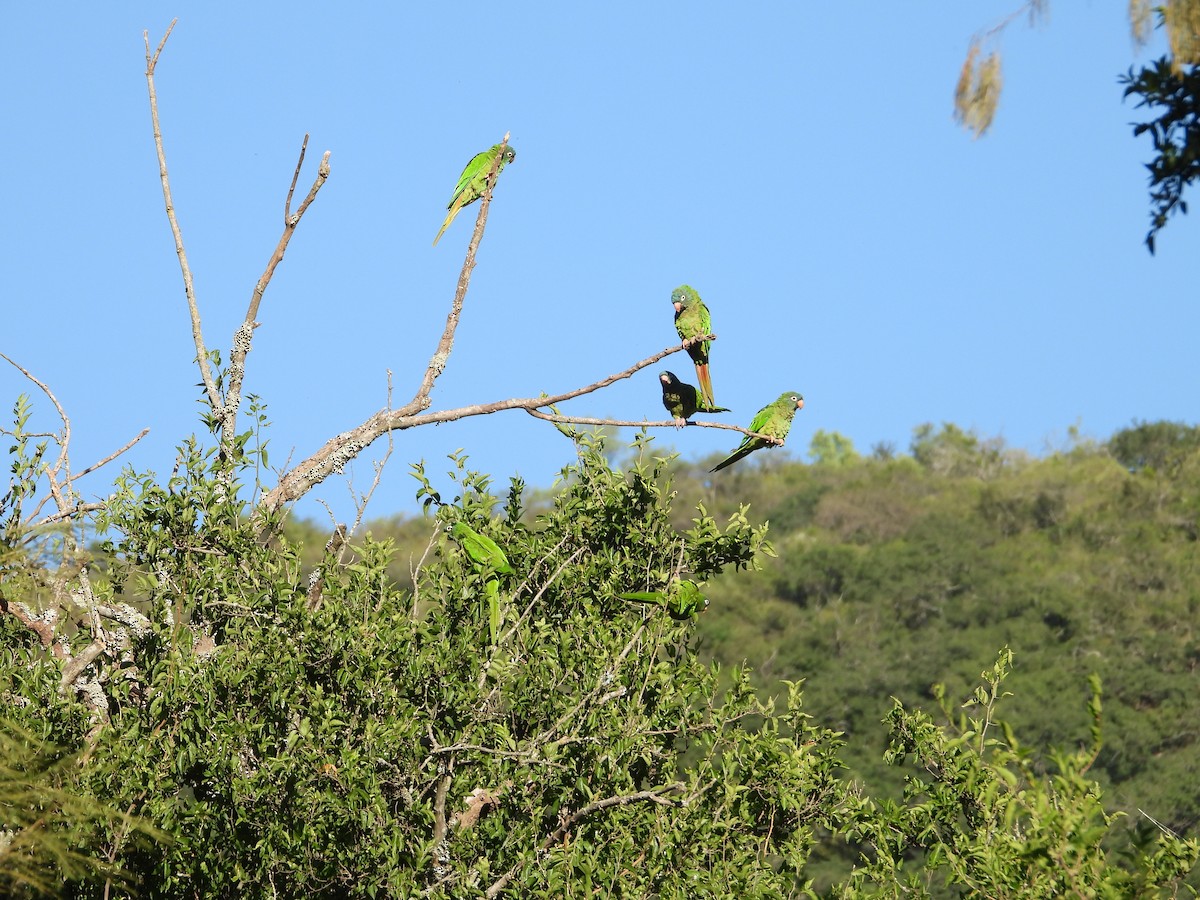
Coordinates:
224	409
342	448
82	660
316	581
189	289
228	411
104	462
63	439
62	489
645	423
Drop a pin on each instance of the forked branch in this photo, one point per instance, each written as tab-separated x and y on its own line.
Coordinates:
224	409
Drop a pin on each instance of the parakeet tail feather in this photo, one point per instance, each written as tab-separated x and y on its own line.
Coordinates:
705	384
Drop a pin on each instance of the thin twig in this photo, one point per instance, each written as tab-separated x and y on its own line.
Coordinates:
644	423
104	462
361	501
189	289
63	440
287	206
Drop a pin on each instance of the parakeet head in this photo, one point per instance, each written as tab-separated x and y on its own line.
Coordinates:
683	297
668	379
509	155
794	398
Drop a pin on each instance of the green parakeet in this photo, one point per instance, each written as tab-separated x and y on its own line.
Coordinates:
683	601
474	181
692	320
683	401
773	420
486	557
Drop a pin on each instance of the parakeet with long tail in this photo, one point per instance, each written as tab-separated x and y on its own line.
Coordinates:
773	420
692	320
474	181
682	602
486	558
683	400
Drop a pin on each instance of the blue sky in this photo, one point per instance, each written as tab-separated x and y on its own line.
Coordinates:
797	163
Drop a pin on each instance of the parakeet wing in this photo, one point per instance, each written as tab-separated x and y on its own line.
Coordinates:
482	550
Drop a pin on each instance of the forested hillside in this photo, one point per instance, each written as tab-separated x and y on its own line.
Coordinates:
895	573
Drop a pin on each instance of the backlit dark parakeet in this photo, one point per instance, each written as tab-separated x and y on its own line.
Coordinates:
486	558
682	602
773	420
474	181
682	400
692	320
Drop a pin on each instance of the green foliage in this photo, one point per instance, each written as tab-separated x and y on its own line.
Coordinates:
828	448
379	743
1174	93
898	575
952	451
46	823
1154	445
982	814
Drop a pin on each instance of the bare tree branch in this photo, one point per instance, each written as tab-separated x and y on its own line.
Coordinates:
316	581
62	490
189	289
228	411
342	448
40	624
287	205
224	409
104	462
644	423
63	439
83	659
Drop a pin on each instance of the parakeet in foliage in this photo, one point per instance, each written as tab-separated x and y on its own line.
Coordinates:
474	181
692	320
682	602
773	420
682	400
486	557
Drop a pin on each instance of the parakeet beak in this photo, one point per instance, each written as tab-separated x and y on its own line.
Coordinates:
678	306
800	403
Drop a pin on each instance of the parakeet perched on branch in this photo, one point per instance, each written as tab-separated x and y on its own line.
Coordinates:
683	600
682	400
474	181
692	320
773	420
486	558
